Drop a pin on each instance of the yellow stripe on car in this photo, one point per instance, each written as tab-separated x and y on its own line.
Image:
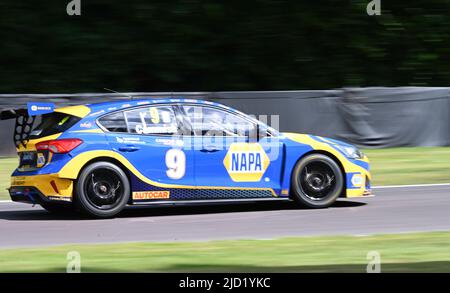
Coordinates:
79	111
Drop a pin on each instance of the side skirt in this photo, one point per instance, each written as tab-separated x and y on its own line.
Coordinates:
207	202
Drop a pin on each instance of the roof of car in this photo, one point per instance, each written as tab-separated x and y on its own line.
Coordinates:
105	107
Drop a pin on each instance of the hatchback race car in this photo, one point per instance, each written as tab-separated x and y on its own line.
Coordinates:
98	158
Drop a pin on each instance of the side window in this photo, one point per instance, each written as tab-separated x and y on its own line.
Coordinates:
114	122
152	120
208	121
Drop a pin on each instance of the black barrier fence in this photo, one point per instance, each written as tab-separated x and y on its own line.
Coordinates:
368	117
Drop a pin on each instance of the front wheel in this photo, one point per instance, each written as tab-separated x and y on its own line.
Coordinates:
317	181
102	190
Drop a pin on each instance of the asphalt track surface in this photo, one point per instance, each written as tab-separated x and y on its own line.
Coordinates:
392	210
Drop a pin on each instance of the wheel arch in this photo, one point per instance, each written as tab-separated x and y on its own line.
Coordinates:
109	160
106	159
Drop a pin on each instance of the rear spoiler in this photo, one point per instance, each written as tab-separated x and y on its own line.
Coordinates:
13	113
32	109
25	118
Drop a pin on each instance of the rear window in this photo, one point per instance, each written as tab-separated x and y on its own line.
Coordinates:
53	123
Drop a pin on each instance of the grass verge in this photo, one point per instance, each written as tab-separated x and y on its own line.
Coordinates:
419	165
7	166
416	252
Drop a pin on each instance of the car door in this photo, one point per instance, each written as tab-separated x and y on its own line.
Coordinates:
227	158
149	139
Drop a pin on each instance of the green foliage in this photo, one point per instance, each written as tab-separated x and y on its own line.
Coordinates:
7	166
230	45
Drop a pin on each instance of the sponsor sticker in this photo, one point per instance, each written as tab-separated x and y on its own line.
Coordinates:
131	140
170	142
140	195
86	125
60	198
17	180
357	180
246	162
40	108
40	160
97	113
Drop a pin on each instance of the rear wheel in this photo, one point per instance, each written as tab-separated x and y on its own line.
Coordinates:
317	181
102	190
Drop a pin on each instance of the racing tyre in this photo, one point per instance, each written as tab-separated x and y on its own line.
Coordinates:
102	190
317	181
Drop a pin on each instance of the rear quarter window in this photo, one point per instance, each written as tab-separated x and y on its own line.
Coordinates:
114	122
53	123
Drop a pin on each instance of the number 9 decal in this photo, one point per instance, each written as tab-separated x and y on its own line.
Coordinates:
176	163
154	115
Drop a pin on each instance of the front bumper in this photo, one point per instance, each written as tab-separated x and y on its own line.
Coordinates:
359	184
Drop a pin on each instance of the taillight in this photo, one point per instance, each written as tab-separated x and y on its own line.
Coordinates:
60	146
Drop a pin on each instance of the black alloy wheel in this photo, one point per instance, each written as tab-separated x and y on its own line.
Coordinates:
317	181
103	190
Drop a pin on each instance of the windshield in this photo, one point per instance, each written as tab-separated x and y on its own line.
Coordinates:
272	131
53	123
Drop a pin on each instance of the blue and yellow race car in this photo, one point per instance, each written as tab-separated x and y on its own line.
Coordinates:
98	158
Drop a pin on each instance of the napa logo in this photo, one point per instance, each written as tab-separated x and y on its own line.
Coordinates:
246	162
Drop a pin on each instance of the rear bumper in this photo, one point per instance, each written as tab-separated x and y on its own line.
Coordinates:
31	195
40	188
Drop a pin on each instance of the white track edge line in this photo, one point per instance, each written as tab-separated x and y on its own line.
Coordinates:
413	185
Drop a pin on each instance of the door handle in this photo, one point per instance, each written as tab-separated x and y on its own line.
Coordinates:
210	149
129	148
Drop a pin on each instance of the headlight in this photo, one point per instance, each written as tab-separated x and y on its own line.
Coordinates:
350	152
